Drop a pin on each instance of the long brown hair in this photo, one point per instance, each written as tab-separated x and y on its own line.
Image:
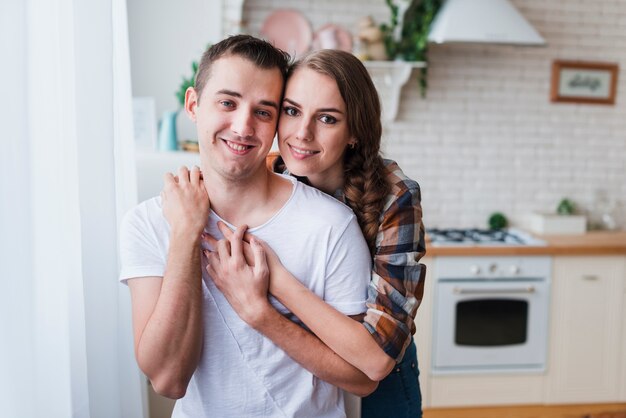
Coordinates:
365	185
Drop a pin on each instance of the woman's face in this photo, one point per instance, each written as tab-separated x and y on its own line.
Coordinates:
313	128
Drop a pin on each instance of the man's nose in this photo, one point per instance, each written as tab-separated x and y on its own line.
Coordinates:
243	123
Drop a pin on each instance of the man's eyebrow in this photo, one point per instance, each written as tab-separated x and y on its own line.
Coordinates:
325	109
238	95
229	93
269	103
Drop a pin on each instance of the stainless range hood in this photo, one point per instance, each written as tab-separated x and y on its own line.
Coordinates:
482	21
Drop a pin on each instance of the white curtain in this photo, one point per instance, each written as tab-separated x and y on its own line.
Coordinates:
67	175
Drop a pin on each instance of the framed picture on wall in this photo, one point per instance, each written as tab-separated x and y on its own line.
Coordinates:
584	82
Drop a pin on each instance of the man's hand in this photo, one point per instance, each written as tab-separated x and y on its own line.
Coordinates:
244	282
185	201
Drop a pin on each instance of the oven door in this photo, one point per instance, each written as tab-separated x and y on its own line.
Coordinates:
491	325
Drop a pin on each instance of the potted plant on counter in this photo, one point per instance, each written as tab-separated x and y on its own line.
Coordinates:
563	221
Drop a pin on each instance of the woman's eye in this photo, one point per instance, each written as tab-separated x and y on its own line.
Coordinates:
328	119
290	111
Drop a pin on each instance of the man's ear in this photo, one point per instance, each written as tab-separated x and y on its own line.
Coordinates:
191	103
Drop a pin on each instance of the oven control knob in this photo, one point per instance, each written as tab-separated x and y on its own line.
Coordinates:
514	269
475	270
493	268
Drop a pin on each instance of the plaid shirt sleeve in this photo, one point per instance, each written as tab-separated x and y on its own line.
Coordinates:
397	285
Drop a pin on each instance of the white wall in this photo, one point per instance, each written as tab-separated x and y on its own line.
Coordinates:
487	138
165	37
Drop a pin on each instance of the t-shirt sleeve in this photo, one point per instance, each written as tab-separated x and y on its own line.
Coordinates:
348	271
140	250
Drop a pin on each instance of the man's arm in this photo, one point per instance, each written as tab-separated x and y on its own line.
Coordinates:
167	312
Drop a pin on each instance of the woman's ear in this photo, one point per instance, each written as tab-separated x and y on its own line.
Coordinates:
191	103
352	143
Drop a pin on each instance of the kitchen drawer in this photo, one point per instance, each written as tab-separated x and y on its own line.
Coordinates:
622	391
479	390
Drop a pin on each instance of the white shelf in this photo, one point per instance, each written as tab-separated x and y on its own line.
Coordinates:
389	77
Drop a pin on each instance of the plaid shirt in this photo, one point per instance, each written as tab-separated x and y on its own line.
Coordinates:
397	284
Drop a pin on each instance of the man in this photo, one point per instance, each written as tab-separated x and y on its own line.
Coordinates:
188	339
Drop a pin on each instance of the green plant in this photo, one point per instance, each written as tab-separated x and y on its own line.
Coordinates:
565	207
413	42
186	83
497	220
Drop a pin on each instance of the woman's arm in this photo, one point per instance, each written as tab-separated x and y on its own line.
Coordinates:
346	337
397	285
395	290
310	352
240	272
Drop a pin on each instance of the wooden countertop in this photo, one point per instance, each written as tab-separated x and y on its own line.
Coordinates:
591	243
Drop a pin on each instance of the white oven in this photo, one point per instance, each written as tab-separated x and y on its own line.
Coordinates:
491	314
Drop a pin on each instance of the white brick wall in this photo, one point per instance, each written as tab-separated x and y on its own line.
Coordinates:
487	137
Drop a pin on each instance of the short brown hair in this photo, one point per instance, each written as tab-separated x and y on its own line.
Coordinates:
261	53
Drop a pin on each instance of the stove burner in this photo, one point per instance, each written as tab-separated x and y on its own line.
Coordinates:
477	236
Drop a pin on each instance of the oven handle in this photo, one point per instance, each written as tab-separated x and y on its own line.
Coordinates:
474	291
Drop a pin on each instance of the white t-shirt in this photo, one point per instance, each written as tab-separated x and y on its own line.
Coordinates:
241	372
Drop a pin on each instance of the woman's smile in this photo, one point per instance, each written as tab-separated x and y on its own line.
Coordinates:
301	153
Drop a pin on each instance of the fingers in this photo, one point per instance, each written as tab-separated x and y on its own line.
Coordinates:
236	244
225	230
260	263
194	175
168	178
183	175
223	249
212	260
208	242
228	232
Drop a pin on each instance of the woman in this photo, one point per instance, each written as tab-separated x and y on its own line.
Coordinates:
329	136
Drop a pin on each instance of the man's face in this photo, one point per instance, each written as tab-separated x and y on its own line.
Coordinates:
236	117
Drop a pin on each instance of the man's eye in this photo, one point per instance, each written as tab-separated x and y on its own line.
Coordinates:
227	103
290	111
264	113
328	119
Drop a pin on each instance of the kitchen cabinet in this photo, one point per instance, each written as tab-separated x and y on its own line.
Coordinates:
423	331
586	345
587	326
623	357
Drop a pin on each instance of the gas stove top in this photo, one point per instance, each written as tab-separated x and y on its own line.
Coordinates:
483	237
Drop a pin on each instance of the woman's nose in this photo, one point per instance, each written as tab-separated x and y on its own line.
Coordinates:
304	132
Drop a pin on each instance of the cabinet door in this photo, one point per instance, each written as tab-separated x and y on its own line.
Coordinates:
423	331
623	352
585	361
